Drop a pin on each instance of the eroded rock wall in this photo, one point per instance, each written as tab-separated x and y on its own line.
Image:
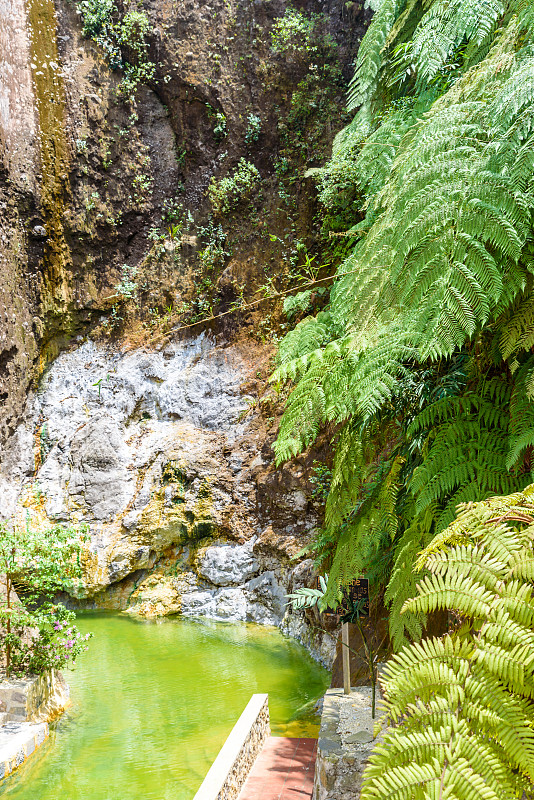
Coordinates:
84	176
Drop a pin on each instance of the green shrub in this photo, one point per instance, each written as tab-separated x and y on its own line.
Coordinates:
124	41
97	17
227	193
253	131
296	35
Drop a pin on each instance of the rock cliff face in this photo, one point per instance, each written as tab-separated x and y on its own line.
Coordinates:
153	451
162	449
85	177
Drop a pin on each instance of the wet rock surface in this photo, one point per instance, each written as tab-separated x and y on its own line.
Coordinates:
225	564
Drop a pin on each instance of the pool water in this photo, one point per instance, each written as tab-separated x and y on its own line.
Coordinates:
154	702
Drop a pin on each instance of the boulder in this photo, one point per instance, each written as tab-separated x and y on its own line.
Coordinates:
228	564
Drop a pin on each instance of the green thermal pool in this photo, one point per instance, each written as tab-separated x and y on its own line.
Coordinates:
153	703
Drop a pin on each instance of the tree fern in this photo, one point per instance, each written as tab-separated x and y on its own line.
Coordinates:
517	95
525	10
516	329
310	334
443	256
407	626
521	434
442	167
447	25
340	381
458	709
372	520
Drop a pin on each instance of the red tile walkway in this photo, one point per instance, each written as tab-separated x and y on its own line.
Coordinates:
283	771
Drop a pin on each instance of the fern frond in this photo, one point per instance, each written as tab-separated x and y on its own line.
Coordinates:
444	27
516	333
457	591
521	438
441	161
402	583
461	706
369	61
467	455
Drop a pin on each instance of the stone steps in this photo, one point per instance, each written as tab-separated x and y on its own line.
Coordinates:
18	740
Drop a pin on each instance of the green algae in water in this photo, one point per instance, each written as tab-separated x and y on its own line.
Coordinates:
153	703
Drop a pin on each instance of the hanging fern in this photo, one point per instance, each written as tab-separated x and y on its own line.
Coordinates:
447	25
516	329
407	626
371	522
458	710
521	439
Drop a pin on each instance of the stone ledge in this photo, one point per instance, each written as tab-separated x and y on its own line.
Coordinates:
18	740
345	744
230	769
38	698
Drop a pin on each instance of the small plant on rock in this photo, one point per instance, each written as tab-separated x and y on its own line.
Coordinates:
253	131
300	37
214	253
123	40
128	285
220	130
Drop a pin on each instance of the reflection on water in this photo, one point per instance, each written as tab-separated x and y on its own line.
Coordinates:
153	703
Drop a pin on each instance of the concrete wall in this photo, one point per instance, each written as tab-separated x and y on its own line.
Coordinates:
230	769
18	740
26	707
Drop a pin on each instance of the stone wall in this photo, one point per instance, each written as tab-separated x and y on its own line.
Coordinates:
34	699
345	744
18	740
230	769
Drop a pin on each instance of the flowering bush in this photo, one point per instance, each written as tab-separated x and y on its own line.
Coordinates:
54	644
37	633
